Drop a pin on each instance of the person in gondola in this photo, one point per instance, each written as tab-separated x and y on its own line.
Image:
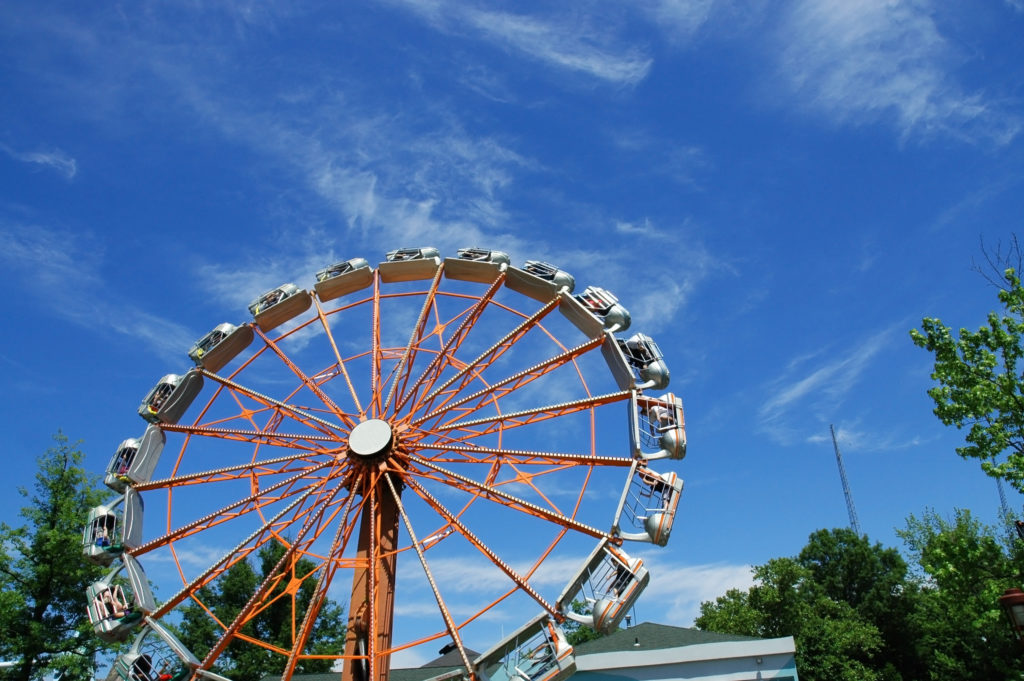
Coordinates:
621	579
165	672
661	418
124	459
102	536
142	668
273	298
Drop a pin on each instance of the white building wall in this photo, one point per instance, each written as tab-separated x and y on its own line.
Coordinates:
759	660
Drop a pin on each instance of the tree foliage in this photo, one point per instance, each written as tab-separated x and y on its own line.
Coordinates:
857	610
874	581
980	384
44	625
575	632
964	568
802	597
226	597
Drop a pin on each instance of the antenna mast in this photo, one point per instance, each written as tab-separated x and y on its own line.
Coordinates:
1004	508
854	524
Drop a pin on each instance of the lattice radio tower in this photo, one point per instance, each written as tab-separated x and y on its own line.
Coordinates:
854	524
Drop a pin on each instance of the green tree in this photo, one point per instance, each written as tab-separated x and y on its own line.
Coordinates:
576	633
44	624
980	383
874	581
850	605
243	661
964	568
832	640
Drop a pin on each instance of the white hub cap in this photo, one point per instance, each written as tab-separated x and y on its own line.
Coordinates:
370	438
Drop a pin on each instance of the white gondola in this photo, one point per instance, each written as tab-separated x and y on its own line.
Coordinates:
484	255
657	426
409	264
135	459
476	264
605	306
558	277
112	528
170	397
220	346
278	305
342	278
594	311
537	651
644	355
543	270
157	655
119	601
539	280
648	505
608	583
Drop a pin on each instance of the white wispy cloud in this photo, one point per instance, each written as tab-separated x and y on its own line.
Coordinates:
855	436
387	180
680	20
486	83
809	384
570	42
64	269
665	291
563	44
390	176
54	159
876	60
641	228
289	259
445	189
675	592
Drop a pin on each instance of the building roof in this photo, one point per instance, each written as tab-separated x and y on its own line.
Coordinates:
451	659
643	636
651	636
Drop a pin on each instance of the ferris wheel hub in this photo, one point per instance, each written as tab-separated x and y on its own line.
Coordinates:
370	439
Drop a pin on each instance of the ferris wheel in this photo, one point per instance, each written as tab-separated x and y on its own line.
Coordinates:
399	434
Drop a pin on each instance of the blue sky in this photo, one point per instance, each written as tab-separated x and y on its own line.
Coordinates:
776	191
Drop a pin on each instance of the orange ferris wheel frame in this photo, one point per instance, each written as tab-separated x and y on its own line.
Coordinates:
435	405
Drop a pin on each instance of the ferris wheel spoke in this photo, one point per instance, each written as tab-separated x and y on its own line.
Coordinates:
401	373
375	352
530	416
337	355
296	413
528	479
330	566
262	467
306	380
235	509
257	538
508	385
272	578
448	623
433	370
475	541
277	439
485	359
474	454
490	492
